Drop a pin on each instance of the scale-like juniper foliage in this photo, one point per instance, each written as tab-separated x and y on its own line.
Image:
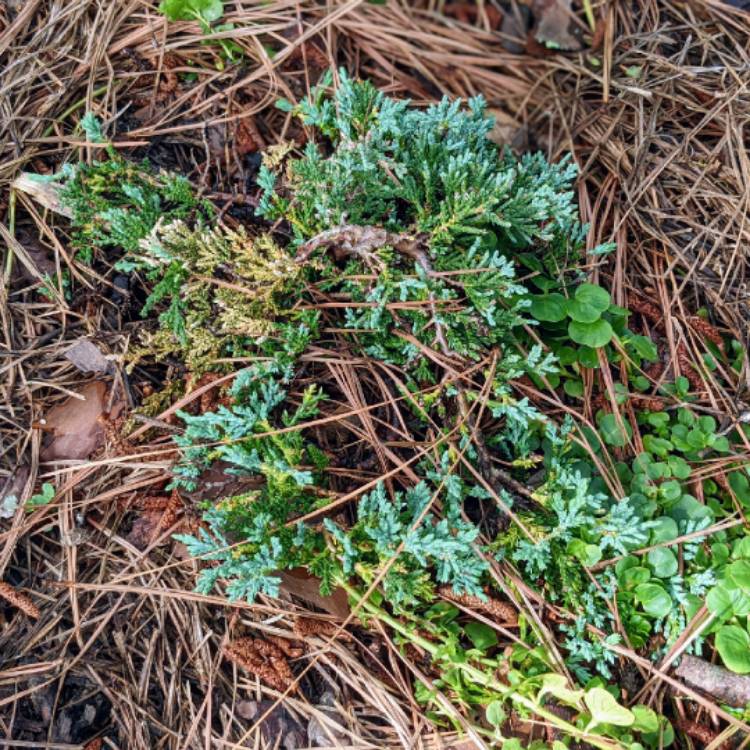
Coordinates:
115	203
413	217
459	208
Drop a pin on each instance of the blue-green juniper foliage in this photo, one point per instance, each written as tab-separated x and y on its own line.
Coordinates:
405	245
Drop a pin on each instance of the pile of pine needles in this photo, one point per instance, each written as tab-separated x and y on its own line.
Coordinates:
101	642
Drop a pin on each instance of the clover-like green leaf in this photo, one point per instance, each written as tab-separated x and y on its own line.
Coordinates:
615	432
482	636
663	562
593	296
739	575
740	485
733	645
582	312
725	602
495	713
550	308
596	334
654	599
646	719
45	497
191	10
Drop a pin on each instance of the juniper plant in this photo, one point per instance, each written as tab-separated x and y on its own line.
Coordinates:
400	237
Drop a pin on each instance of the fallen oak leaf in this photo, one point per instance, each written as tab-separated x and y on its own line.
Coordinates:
300	583
75	427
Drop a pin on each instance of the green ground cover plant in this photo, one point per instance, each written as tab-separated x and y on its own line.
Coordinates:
403	239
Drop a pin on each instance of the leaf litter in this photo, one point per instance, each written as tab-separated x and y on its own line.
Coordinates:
75	428
436	46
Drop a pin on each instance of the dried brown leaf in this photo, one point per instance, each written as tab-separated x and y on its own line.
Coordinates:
300	583
87	357
554	23
75	424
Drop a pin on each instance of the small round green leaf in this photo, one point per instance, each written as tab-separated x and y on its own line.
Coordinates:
634	577
740	485
663	562
733	645
646	719
190	10
671	491
495	713
593	296
595	335
614	432
680	467
574	388
588	554
549	308
725	602
587	357
626	563
645	348
739	574
664	530
582	312
663	737
741	548
481	635
654	599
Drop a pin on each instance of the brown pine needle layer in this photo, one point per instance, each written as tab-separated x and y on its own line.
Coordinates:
655	111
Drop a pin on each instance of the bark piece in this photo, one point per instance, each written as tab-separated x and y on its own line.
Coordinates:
716	681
